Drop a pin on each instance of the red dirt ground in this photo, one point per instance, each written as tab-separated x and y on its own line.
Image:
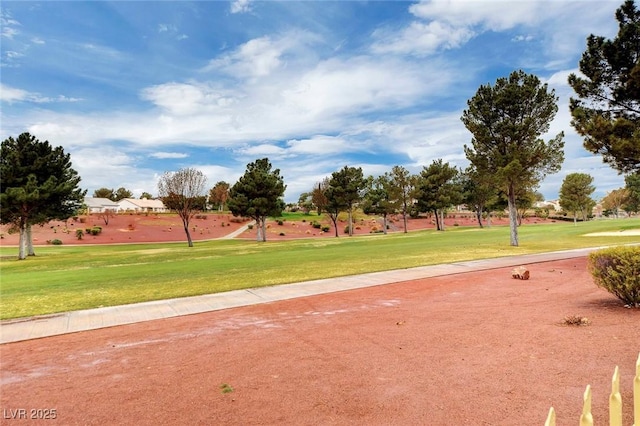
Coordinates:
470	349
126	228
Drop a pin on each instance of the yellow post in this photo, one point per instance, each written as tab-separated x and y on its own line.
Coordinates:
586	419
615	400
551	418
636	394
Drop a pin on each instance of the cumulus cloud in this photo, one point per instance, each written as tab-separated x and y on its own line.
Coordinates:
255	58
421	38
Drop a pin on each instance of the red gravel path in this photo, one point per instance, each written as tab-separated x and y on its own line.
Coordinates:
470	349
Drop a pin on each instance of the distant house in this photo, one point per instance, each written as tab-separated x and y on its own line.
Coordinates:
100	205
549	204
142	205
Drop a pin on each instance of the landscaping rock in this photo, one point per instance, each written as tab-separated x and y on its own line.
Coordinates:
520	273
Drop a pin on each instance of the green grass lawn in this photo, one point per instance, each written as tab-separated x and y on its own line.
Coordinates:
64	278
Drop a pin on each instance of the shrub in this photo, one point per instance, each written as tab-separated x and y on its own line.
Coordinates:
326	228
316	225
250	226
617	270
79	233
56	242
280	222
96	230
282	234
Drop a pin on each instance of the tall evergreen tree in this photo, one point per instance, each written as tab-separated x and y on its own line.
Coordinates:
258	195
607	110
506	121
38	185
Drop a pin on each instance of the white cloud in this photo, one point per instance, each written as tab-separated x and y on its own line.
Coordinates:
496	15
255	58
165	155
522	38
37	40
262	150
319	145
11	94
241	6
421	38
163	28
8	25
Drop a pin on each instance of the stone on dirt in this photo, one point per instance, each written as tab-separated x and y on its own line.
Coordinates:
520	273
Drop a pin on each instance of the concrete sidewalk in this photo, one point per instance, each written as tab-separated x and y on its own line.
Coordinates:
90	319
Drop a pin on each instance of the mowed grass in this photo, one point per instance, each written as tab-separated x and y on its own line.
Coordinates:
64	278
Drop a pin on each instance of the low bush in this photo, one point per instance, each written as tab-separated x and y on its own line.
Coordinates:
617	270
280	222
326	228
56	242
316	225
96	230
79	233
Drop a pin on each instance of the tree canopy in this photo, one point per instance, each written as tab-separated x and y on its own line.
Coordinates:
258	195
506	121
377	198
38	185
575	194
632	203
183	191
104	193
219	194
606	111
401	186
437	189
345	190
478	191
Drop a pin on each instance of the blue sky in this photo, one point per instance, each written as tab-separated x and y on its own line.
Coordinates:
133	89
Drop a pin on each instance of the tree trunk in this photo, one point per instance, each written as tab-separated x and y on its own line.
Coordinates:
384	223
264	229
479	216
30	251
22	243
513	216
258	229
442	220
404	218
186	231
575	219
435	212
350	223
334	220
